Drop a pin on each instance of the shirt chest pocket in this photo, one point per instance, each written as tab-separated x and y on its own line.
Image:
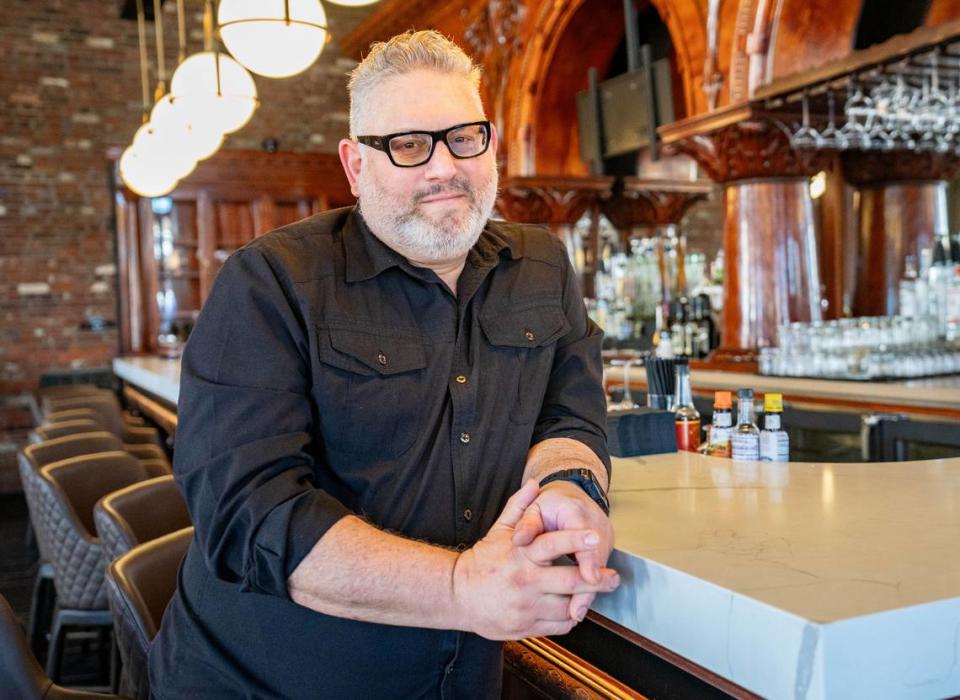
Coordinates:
368	389
524	342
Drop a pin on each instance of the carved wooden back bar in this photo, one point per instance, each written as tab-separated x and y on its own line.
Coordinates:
537	53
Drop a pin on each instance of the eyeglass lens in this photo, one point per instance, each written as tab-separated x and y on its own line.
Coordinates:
414	148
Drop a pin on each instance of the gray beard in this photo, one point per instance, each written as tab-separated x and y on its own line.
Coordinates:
414	235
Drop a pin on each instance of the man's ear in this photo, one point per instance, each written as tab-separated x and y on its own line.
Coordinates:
351	161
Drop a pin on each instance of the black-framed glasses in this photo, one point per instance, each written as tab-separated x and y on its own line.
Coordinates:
408	149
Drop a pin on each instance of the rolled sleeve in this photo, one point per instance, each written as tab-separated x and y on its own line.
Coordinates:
574	405
244	455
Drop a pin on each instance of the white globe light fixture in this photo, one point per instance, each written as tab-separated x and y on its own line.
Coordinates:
273	38
138	174
215	94
164	152
171	117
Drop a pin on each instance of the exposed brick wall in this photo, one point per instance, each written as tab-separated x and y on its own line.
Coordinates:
69	91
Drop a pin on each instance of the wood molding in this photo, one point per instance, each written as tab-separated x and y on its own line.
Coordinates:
638	202
865	168
742	144
558	673
550	200
673	658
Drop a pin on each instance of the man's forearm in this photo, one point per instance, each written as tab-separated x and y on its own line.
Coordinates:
362	573
554	454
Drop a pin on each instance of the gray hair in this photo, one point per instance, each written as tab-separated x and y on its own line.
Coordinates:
403	54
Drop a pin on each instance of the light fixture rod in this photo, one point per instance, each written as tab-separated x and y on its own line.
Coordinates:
161	57
286	12
144	77
181	33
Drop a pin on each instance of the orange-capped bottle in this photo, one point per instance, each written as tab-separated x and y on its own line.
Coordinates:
721	429
686	416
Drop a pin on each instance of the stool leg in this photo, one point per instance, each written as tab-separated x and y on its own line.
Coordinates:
42	603
55	652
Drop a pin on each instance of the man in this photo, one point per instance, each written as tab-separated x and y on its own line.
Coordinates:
391	425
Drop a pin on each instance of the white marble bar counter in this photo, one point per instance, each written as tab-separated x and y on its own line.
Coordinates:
934	392
797	580
159	376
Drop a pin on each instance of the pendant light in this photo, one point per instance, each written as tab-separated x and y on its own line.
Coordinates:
170	115
273	38
138	170
216	92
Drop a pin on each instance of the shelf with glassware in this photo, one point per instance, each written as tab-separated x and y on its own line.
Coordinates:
652	295
921	340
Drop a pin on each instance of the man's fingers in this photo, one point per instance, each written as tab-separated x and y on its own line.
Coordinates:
529	527
518	503
553	545
566	580
579	604
552	608
589	562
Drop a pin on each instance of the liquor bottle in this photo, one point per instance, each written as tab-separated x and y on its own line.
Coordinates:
774	441
745	441
685	416
678	324
907	291
721	429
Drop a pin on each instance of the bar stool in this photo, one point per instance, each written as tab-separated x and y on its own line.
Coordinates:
29	462
49	431
126	427
20	674
139	513
66	492
140	584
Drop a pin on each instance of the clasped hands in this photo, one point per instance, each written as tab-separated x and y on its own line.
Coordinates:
506	584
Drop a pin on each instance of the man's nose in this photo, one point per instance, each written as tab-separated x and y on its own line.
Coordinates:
441	165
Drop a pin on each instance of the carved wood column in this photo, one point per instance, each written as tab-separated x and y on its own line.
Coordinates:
558	202
902	207
769	240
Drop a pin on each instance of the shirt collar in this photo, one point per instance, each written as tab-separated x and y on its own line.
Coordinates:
367	256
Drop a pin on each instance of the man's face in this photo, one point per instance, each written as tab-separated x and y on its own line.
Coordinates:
431	213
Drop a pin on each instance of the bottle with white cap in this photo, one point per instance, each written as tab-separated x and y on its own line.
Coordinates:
745	441
774	441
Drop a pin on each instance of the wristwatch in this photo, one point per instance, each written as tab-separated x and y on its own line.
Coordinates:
585	479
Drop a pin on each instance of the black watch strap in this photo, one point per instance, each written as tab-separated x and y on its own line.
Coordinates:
585	479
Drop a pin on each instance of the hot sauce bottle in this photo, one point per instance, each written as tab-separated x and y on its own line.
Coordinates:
686	417
722	428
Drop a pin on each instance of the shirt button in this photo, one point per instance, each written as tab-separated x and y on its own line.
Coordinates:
468	514
461	379
528	334
381	358
448	670
462	547
465	438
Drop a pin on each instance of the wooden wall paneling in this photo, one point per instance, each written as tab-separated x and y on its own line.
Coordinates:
264	214
942	11
150	286
834	209
129	276
207	241
810	33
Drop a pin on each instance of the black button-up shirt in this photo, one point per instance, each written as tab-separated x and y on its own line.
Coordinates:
327	376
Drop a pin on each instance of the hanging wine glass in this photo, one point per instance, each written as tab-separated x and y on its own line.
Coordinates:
858	110
805	136
830	136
